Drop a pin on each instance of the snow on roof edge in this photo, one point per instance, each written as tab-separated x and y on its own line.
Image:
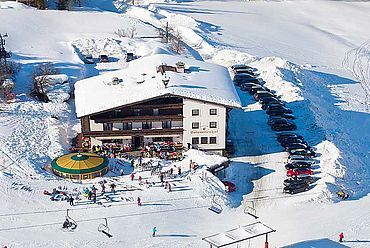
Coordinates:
208	82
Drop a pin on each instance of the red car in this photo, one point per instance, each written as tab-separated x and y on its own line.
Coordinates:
299	172
229	186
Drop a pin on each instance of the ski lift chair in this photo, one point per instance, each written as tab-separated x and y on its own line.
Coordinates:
69	223
215	207
104	228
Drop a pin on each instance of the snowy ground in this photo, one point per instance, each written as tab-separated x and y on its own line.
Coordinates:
298	48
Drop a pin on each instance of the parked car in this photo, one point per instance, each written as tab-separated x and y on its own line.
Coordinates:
247	86
304	152
272	103
242	78
295	189
240	67
268	100
278	111
276	119
263	94
284	127
103	58
298	164
229	186
88	59
287	142
247	71
254	89
282	108
294	146
299	172
293	158
298	180
282	136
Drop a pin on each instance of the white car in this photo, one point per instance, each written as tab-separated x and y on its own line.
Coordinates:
295	158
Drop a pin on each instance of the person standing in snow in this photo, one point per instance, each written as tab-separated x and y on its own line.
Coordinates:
112	188
341	237
169	187
70	200
154	230
139	201
102	188
122	172
179	171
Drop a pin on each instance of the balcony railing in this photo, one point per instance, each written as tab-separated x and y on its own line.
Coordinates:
147	118
134	132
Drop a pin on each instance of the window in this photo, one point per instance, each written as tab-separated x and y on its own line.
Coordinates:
195	125
146	125
107	126
212	140
136	112
156	112
127	125
195	112
166	124
204	140
213	112
213	124
195	140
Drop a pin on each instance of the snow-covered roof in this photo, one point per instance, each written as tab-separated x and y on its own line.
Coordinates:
238	234
203	81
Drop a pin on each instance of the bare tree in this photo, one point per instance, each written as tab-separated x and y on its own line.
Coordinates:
129	32
41	80
8	70
176	42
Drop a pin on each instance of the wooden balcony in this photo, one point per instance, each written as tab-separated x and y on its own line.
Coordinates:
136	132
144	118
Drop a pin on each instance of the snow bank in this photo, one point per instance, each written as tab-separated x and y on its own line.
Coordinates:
13	5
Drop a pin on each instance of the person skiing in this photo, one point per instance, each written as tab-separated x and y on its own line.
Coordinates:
154	230
132	176
139	201
341	237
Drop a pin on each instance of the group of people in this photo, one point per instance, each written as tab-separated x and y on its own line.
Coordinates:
112	151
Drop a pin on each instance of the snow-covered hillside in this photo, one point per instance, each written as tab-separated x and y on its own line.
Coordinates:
297	47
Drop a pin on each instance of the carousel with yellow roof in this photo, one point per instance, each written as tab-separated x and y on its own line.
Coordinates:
80	166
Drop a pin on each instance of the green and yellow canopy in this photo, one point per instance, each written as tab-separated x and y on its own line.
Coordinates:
80	163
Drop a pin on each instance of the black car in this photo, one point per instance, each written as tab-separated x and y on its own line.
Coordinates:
276	119
298	164
240	79
245	71
278	111
297	188
247	86
237	67
263	94
284	109
294	146
279	103
268	100
254	89
103	58
298	180
290	140
282	136
284	127
303	152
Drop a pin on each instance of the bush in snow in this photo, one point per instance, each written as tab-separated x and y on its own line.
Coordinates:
41	81
8	70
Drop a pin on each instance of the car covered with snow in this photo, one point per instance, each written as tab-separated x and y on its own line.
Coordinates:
294	158
304	152
282	136
247	86
299	172
294	146
298	164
